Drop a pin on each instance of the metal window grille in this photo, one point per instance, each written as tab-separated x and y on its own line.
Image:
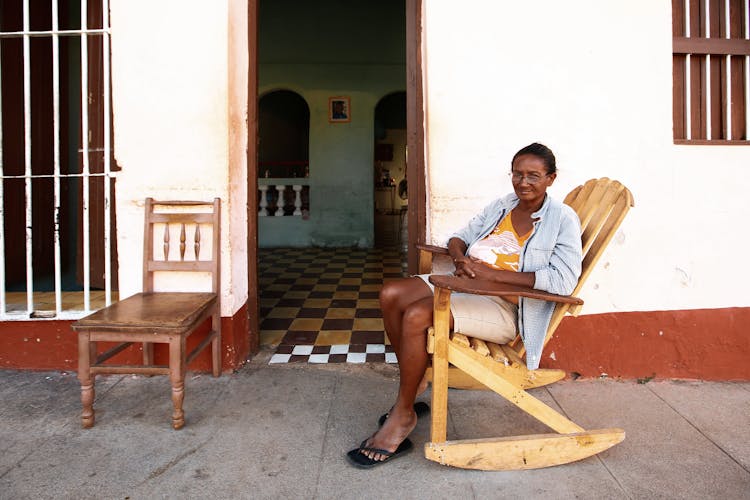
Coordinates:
711	67
57	257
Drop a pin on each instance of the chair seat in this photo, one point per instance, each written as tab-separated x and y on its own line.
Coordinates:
156	311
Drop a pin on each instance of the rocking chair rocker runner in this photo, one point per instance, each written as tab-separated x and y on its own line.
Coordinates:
601	205
159	317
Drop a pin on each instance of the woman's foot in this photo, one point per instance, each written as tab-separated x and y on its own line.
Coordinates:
420	408
394	431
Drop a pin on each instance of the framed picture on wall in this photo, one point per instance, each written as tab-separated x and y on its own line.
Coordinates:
339	109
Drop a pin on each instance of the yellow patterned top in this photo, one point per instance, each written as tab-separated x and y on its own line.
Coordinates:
501	249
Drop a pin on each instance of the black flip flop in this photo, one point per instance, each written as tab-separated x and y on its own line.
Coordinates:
420	408
360	461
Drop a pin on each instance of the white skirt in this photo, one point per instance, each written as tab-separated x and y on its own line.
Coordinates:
485	317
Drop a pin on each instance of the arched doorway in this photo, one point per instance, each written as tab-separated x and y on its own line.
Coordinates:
283	158
284	134
390	184
415	139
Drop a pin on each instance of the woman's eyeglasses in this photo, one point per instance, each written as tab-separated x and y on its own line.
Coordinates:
530	179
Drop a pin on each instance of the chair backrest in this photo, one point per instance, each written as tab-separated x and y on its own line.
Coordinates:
185	218
601	205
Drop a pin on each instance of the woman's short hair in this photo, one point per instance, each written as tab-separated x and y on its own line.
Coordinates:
540	151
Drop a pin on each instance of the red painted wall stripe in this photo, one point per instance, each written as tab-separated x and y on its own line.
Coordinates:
52	345
708	344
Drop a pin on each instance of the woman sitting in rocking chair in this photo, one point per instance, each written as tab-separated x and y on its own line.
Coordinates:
525	238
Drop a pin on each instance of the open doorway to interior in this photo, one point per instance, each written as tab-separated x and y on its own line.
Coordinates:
390	183
340	58
359	53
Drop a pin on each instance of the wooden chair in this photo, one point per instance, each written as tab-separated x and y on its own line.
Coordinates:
601	205
159	317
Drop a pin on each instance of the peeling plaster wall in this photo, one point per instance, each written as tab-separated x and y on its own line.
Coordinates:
179	102
573	76
238	63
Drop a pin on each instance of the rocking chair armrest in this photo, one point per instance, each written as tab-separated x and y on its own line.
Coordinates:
432	249
484	287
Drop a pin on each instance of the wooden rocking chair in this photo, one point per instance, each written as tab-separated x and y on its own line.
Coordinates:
601	205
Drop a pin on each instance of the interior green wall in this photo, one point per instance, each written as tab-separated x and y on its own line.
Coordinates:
322	49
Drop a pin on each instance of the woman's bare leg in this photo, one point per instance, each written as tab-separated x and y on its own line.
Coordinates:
395	297
412	360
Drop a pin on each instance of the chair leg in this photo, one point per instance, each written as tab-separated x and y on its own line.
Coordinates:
439	420
177	377
92	352
216	344
85	349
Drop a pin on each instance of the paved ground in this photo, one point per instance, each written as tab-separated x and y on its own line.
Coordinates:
280	431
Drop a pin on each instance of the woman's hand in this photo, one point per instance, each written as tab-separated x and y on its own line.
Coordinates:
466	267
476	269
461	270
457	251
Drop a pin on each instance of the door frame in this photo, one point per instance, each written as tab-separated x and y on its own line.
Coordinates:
415	133
253	298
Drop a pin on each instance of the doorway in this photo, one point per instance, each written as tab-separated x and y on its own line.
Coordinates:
390	183
258	60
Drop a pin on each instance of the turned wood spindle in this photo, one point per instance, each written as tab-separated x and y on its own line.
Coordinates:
182	242
197	241
166	241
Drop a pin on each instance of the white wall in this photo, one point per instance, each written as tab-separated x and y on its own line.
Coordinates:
179	90
593	81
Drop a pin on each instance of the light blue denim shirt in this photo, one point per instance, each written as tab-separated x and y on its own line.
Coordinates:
552	253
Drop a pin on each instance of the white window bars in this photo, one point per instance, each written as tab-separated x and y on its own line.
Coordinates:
57	175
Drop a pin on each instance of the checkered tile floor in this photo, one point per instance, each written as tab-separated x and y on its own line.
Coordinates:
320	305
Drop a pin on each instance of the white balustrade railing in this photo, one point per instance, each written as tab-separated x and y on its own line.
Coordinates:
283	197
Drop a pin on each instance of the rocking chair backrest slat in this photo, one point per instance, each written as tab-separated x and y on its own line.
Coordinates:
598	242
589	200
601	205
601	212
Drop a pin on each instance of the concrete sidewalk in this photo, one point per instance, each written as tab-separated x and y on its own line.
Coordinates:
281	432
